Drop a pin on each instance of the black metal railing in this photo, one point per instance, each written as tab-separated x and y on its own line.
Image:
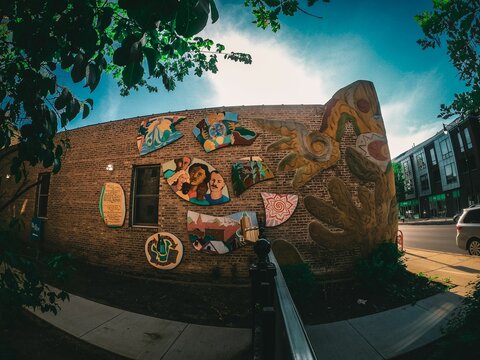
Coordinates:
278	331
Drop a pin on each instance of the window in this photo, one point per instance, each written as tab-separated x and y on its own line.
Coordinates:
472	217
450	174
460	142
146	185
42	195
420	161
433	156
445	149
424	185
468	138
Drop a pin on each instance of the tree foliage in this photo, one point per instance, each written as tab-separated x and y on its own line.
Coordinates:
135	41
457	24
399	181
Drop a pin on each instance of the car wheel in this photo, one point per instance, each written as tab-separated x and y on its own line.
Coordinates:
474	247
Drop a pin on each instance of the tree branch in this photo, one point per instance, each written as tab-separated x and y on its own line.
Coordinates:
18	194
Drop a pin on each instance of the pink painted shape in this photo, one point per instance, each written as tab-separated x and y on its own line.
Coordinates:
278	207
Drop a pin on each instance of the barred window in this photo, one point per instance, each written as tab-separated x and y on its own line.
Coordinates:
146	186
42	195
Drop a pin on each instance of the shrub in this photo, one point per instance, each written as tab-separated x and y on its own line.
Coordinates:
384	266
463	331
301	282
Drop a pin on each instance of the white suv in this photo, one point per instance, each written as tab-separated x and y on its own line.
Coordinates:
468	230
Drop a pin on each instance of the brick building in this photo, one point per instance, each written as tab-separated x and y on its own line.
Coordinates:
68	201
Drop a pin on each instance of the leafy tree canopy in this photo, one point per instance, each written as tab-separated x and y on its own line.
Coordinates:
457	24
134	40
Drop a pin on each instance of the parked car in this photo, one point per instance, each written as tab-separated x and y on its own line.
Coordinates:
468	230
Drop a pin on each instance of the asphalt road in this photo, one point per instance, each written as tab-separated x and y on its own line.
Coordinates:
431	237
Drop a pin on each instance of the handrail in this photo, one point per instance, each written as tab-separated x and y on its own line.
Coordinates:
298	341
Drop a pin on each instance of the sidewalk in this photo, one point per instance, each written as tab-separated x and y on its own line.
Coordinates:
379	336
137	336
394	332
433	221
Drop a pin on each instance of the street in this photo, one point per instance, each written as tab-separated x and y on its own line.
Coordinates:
431	237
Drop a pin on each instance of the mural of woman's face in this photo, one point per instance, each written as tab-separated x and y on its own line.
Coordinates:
197	175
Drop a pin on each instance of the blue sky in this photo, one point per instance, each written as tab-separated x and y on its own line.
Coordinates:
306	62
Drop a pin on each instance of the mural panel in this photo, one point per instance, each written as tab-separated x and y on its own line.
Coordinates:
221	130
196	181
112	204
220	235
247	172
375	220
158	132
164	251
278	207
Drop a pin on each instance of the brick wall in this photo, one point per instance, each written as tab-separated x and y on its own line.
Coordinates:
74	223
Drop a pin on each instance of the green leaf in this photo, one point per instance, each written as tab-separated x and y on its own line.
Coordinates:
191	17
132	74
214	9
86	111
56	165
90	102
121	56
58	151
105	18
79	67
152	56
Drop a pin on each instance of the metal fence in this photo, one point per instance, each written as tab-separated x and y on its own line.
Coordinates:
278	331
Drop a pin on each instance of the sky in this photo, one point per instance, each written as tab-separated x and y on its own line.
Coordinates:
306	62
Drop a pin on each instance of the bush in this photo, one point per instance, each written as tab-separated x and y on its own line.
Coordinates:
384	266
462	336
301	282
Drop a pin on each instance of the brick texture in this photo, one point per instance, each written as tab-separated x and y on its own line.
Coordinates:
75	225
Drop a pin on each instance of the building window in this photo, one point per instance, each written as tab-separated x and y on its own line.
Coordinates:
450	174
420	161
468	138
146	185
42	195
460	142
433	156
424	185
445	149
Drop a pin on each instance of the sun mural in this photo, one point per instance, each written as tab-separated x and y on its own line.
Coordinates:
278	207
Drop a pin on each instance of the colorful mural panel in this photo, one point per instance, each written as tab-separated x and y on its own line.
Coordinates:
196	181
112	205
220	235
247	172
221	130
164	251
158	132
278	207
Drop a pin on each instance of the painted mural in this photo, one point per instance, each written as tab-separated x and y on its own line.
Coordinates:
220	130
247	172
375	220
158	132
196	181
220	235
112	205
278	207
164	251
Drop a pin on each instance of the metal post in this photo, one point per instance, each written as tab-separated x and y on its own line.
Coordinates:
262	275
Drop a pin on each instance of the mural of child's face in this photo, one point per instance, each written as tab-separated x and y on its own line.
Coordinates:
197	175
216	182
185	163
182	179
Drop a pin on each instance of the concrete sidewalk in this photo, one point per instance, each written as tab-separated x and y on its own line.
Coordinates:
137	336
394	332
379	336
